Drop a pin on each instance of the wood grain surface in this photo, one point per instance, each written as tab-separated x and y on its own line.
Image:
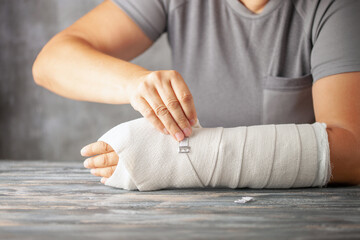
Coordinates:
61	200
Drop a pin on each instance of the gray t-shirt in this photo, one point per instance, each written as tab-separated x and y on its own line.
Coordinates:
249	69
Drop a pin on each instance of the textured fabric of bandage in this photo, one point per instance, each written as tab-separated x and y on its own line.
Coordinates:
265	156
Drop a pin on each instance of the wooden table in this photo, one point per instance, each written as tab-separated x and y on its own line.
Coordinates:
61	200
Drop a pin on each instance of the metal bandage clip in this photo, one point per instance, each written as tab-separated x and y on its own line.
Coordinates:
184	146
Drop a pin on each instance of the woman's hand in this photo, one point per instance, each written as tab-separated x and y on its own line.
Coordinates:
164	99
102	159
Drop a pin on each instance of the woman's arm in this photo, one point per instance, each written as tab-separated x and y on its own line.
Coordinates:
88	62
337	103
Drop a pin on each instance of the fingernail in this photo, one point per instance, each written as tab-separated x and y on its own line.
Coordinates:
179	136
83	151
92	171
86	163
103	180
166	131
187	132
192	122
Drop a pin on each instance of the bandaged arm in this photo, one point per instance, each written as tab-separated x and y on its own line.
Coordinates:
265	156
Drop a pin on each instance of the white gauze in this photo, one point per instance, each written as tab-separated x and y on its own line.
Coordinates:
265	156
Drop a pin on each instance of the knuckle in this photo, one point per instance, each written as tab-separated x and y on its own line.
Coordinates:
155	76
103	145
173	73
105	160
161	111
173	104
186	97
106	147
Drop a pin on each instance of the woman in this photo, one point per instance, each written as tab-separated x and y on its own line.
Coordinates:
245	62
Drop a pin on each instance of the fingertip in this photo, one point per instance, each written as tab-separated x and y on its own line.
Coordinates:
179	136
103	180
192	122
187	132
84	151
86	163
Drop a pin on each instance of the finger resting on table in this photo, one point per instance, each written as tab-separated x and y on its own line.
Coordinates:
103	172
103	180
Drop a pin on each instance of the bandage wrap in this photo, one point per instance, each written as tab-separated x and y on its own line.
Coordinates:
266	156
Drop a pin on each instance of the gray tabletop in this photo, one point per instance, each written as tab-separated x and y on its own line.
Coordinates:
61	200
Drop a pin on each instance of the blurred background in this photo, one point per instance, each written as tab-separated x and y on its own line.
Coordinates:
36	124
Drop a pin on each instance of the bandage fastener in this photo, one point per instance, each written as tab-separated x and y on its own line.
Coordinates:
184	146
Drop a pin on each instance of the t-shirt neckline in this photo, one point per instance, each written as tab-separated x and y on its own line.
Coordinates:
244	11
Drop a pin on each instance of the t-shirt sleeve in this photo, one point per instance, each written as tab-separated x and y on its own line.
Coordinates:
336	38
149	15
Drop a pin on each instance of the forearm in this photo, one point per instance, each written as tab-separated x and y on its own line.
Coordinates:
73	68
344	155
336	102
276	156
266	156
